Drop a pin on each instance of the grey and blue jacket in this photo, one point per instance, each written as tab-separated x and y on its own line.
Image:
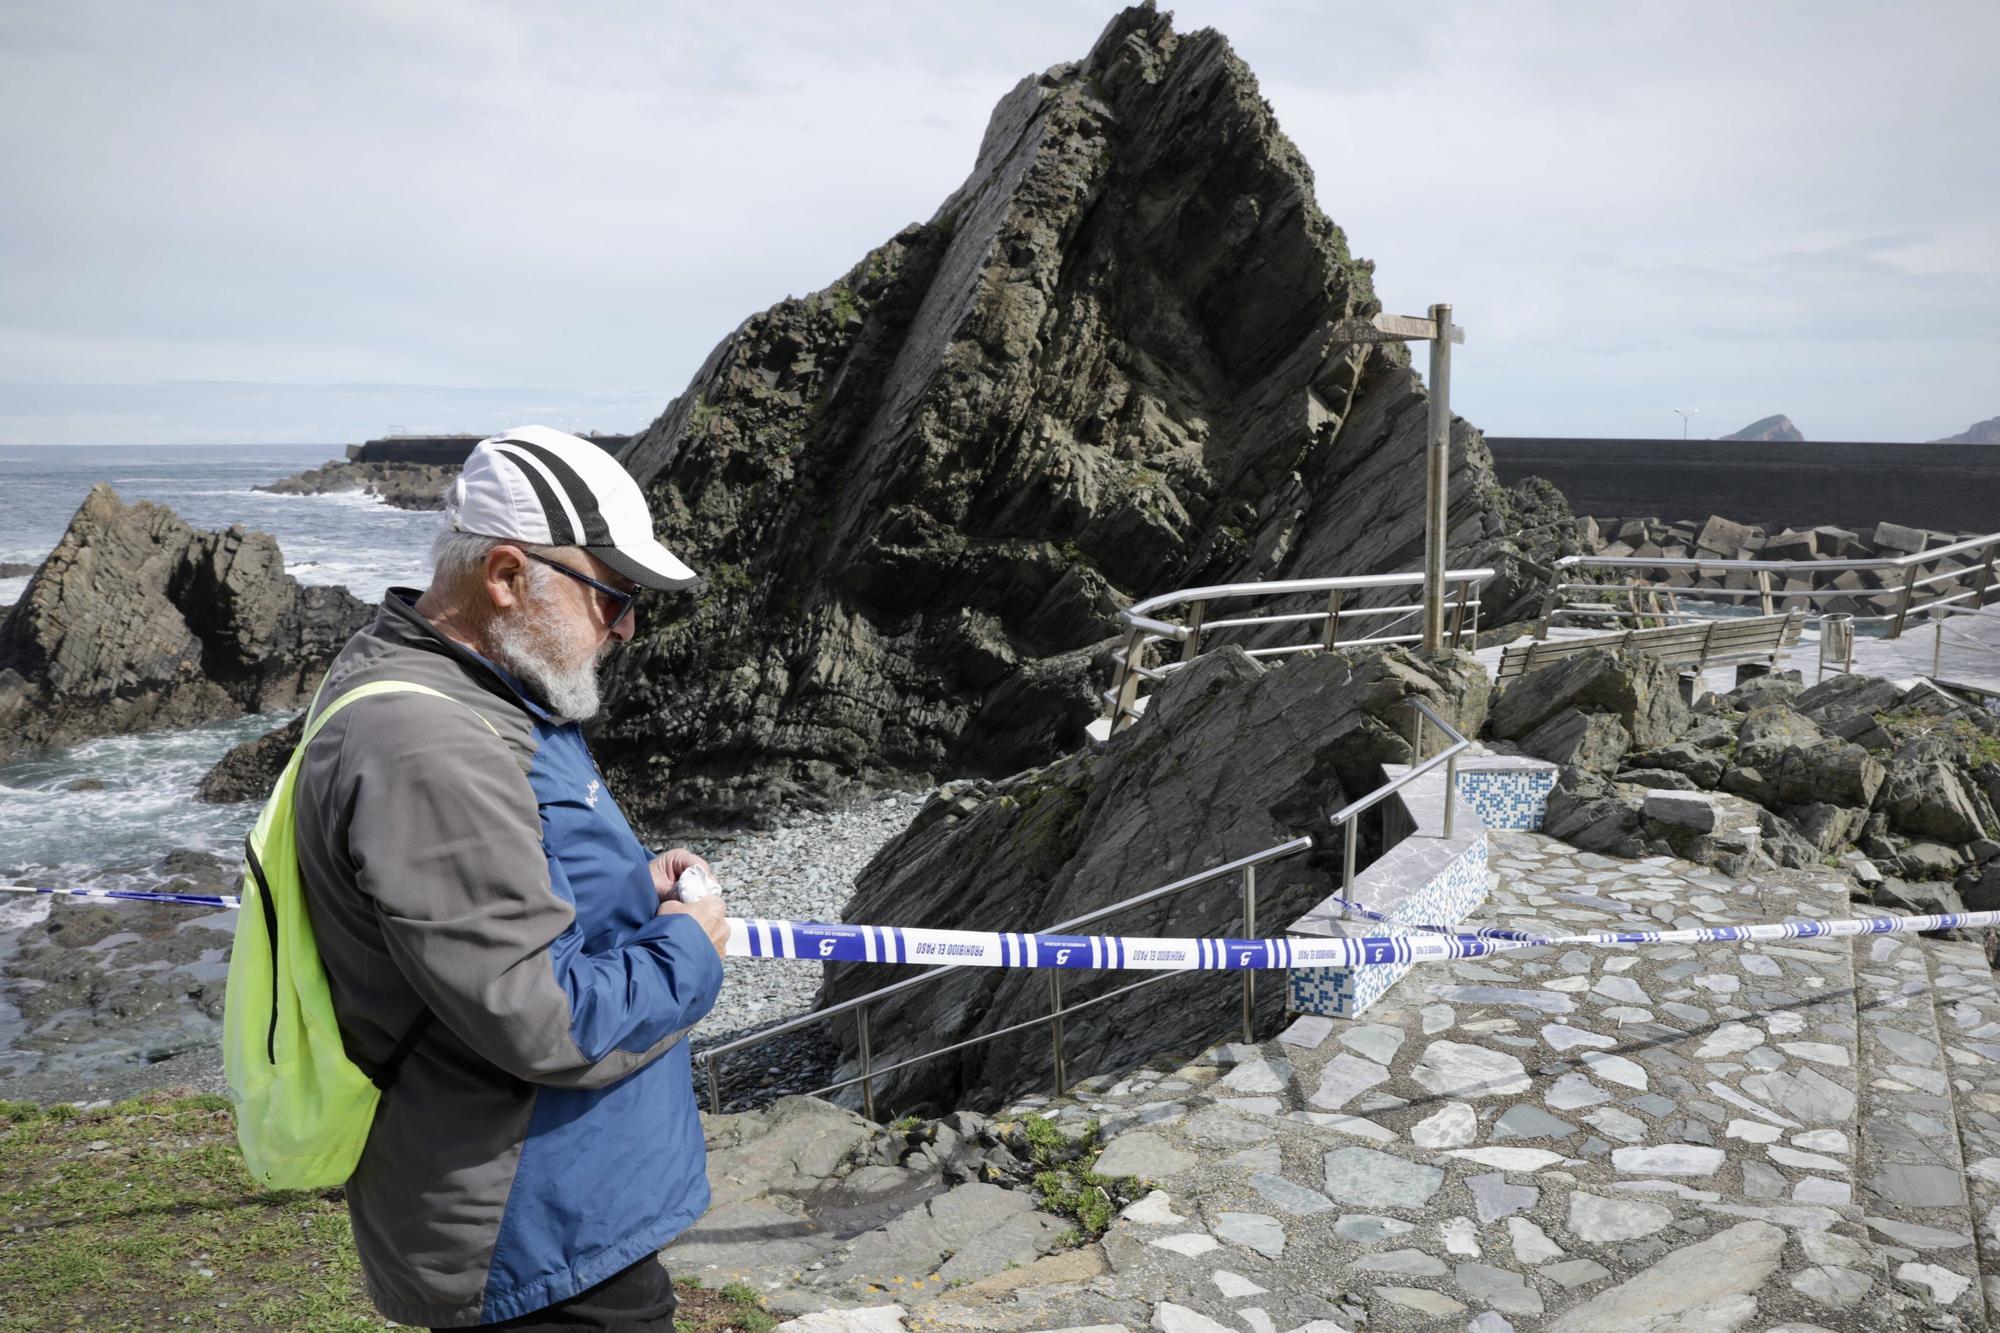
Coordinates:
542	1134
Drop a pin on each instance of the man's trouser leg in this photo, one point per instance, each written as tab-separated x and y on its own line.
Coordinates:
638	1299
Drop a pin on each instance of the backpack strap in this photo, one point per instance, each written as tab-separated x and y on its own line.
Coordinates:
383	1076
325	715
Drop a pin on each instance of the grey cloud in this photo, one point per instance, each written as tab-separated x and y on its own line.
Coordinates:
1622	201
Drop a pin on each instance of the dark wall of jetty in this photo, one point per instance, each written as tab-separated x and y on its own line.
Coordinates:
442	450
1946	487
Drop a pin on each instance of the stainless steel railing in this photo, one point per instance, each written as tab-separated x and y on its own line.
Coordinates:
1144	628
1981	552
1244	866
1943	626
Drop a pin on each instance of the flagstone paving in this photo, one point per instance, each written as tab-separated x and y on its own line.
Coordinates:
1788	1135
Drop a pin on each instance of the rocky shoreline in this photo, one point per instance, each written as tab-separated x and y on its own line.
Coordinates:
105	1000
139	622
417	486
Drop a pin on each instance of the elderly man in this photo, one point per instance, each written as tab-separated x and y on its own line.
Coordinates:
496	940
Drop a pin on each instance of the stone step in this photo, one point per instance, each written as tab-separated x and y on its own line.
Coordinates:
1568	1138
1967	1004
1910	1177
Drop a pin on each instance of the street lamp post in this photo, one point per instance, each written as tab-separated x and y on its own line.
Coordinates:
1440	333
1684	413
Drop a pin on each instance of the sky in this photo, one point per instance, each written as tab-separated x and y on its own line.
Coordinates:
238	222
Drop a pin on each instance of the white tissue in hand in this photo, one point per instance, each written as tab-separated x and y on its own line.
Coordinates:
696	884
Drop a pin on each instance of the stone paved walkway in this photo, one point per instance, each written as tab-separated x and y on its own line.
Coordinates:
1797	1135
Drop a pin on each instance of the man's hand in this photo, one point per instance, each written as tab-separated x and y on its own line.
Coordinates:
667	868
709	912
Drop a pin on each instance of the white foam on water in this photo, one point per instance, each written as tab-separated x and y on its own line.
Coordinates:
11	590
145	808
19	911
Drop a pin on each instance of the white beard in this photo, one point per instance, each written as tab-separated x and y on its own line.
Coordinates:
547	655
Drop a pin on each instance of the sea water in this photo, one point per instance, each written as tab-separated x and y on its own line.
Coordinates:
100	811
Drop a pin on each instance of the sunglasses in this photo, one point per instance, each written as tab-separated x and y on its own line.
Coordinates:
618	601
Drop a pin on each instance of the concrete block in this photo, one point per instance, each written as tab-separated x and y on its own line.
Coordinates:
1724	537
1682	809
1792	546
1895	537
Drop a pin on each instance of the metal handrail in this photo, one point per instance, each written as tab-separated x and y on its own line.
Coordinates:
1286	587
1143	627
1940	615
1344	818
1904	590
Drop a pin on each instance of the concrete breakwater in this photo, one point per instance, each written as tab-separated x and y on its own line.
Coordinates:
444	450
409	472
1855	485
1854	591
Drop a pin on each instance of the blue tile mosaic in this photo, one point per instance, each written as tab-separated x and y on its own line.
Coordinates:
1448	897
1512	798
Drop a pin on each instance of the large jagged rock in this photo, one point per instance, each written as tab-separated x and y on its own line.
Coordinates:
1231	758
1592	707
250	770
1590	812
137	621
1783	759
1104	369
1927	796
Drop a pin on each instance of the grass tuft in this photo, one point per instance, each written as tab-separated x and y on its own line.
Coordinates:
1066	1184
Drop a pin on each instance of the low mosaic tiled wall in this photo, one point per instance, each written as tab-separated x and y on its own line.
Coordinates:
1508	798
1449	895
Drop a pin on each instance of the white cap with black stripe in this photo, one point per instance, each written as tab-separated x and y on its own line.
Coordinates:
546	487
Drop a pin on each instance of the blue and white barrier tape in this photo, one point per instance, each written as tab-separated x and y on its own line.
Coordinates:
817	941
1479	932
228	900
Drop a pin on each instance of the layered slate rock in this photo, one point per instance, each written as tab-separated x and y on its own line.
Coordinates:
1104	369
1230	759
137	621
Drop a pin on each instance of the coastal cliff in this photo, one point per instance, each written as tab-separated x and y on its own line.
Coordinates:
1104	368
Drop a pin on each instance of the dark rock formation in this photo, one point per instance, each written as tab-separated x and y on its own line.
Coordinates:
250	770
137	621
1589	709
11	569
1229	759
404	485
1777	427
1770	773
1979	432
1103	370
1929	795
